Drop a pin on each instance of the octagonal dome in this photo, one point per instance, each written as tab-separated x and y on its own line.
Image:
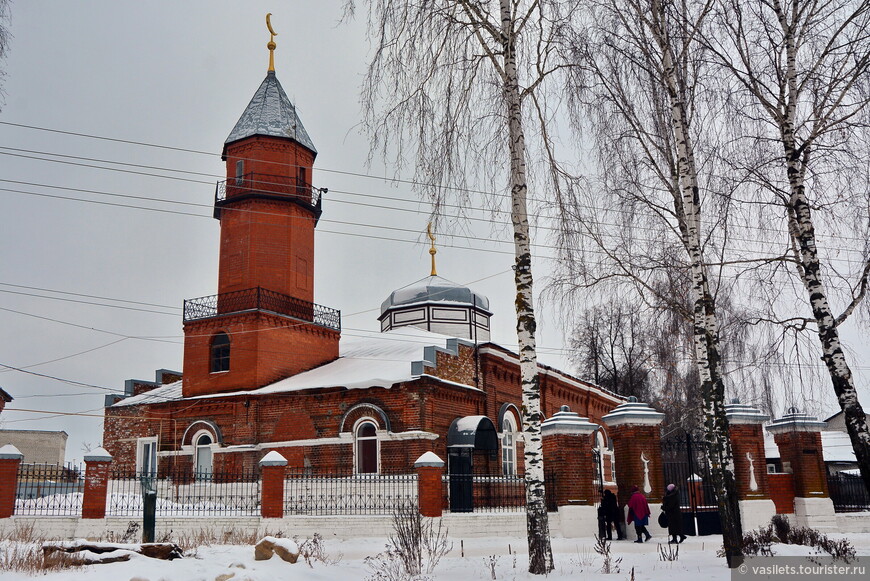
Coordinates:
435	289
438	305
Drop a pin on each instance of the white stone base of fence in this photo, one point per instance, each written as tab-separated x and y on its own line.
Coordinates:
472	525
756	513
853	522
817	513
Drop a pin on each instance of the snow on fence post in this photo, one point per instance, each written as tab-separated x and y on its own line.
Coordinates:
430	469
273	466
10	460
97	464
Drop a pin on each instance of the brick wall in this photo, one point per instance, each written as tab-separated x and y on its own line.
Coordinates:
749	438
781	488
803	452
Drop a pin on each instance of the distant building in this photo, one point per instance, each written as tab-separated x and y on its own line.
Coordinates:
4	398
38	446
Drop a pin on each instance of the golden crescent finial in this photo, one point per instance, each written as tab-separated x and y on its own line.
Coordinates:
432	250
271	44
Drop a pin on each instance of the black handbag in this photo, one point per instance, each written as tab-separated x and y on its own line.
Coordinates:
663	520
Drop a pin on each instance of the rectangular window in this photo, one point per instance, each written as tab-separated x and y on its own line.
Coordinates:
146	456
240	172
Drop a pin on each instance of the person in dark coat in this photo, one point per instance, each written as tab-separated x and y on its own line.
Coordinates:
638	513
612	516
671	507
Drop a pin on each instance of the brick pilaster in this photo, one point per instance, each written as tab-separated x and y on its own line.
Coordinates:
781	488
273	467
799	439
567	445
97	465
10	460
637	450
747	445
430	469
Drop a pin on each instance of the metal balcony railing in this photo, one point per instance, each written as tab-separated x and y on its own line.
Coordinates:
261	299
269	185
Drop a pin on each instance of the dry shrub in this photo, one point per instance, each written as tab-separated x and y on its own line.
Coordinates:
314	549
760	541
28	558
415	541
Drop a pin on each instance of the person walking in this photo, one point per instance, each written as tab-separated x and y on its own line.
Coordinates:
671	508
638	513
611	516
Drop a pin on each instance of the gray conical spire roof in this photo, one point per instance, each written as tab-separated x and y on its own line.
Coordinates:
270	113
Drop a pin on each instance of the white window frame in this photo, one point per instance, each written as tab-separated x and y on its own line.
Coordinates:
357	461
508	445
146	450
196	451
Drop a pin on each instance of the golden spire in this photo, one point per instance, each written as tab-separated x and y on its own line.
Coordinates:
432	250
271	44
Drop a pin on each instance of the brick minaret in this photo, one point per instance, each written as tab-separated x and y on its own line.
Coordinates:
637	449
262	325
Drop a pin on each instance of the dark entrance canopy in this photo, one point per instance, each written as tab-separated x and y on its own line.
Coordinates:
475	432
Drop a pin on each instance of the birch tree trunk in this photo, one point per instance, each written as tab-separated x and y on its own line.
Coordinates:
540	552
456	75
706	332
803	69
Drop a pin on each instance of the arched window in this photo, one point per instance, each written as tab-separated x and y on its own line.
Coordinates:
366	448
220	353
508	445
203	456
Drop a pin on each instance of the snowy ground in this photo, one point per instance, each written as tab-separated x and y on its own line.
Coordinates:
575	559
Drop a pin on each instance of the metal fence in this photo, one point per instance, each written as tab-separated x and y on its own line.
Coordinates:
490	493
332	494
49	490
848	492
185	494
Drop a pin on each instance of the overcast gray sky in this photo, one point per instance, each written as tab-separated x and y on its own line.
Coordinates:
178	75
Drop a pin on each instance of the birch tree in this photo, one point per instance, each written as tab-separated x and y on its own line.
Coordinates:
797	87
638	95
457	83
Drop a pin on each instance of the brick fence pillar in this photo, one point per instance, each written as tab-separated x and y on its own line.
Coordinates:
568	457
567	447
10	460
799	439
637	449
430	469
273	466
750	463
97	465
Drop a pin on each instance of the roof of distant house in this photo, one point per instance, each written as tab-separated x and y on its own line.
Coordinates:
5	396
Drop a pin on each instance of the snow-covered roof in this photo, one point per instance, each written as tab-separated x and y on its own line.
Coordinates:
377	360
271	113
435	289
836	447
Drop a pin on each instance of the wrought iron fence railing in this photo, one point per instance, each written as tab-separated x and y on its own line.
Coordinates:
848	492
49	490
260	298
490	493
332	494
186	494
268	184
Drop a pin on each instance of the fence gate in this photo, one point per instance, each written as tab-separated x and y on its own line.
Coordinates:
685	464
